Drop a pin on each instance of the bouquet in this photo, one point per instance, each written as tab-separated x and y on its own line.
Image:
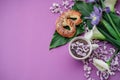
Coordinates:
96	19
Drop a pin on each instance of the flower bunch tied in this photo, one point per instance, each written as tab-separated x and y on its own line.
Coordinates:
98	20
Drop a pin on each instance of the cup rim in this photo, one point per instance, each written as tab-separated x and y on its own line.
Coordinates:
78	58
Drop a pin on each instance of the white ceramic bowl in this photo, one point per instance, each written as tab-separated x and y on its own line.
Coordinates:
78	58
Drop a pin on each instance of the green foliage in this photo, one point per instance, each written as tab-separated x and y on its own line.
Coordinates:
109	26
107	29
85	9
58	40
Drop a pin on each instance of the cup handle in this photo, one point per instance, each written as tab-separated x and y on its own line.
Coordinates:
94	46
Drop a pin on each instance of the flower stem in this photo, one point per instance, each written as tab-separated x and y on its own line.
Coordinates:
110	20
113	56
102	3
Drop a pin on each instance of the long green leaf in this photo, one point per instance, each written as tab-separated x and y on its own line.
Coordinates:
115	18
84	8
110	39
110	29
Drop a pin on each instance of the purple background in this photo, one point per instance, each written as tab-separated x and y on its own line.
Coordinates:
26	29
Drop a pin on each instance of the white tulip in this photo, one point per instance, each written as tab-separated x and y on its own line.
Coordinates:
101	65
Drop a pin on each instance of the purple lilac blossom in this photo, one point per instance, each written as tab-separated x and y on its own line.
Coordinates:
55	8
59	8
100	53
66	4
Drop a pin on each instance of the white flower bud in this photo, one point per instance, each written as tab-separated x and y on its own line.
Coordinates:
101	65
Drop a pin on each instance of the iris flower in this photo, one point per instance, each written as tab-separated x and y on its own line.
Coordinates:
96	15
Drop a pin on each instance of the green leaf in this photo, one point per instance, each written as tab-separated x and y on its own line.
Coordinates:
110	39
115	19
110	29
84	8
58	40
106	28
88	22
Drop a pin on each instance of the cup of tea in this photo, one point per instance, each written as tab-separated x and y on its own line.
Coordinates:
81	48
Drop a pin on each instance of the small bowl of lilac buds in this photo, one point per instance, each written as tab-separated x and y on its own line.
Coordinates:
81	48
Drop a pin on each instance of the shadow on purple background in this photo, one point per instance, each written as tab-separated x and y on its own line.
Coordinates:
26	28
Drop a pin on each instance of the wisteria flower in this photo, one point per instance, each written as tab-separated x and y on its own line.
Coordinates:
101	65
96	15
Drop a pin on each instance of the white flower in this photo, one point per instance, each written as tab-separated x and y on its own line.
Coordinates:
94	34
88	35
101	65
110	4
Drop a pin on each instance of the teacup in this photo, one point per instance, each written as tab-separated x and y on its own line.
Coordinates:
81	48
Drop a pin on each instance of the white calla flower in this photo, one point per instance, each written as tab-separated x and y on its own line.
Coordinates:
94	34
110	4
101	65
88	35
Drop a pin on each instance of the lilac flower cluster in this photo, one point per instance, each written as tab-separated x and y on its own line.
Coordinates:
104	52
87	70
55	8
59	8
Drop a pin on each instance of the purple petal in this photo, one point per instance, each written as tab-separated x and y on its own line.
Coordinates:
107	9
96	10
96	21
89	1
